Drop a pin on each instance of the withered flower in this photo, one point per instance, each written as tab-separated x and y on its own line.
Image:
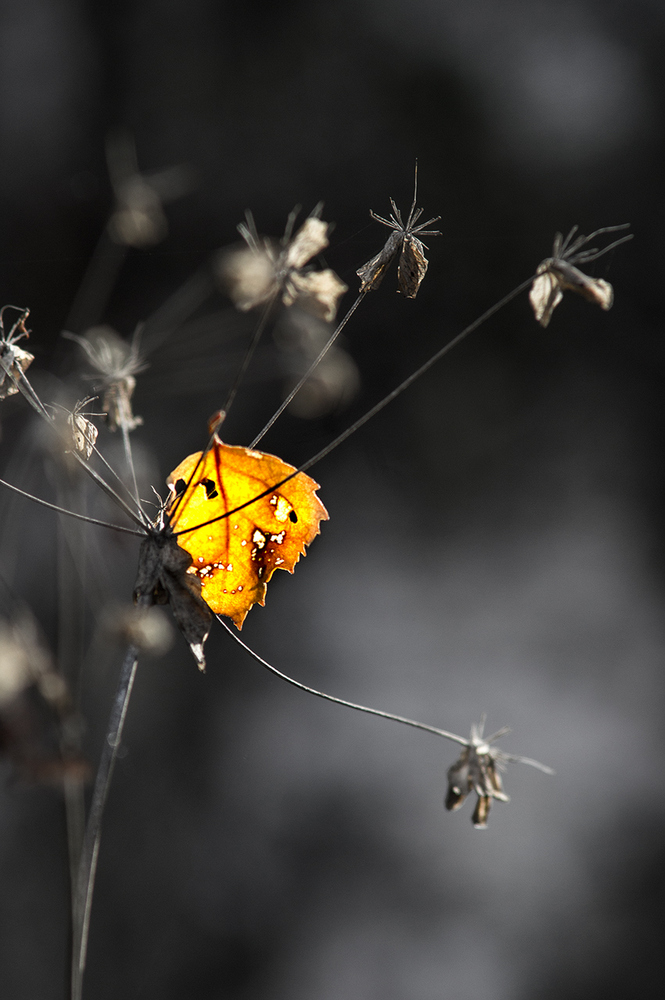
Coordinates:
413	264
13	359
558	273
264	269
477	769
118	362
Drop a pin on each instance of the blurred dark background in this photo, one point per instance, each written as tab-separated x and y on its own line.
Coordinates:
495	542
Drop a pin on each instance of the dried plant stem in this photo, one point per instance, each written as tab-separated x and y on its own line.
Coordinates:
97	284
91	840
23	385
70	513
71	569
129	458
296	389
249	354
341	701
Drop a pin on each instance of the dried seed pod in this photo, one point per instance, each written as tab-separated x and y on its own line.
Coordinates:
82	430
13	359
558	273
477	769
413	264
138	218
118	362
264	269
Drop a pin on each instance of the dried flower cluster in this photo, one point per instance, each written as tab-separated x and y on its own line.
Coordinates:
558	273
477	769
263	270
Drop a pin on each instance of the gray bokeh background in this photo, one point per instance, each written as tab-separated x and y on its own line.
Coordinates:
495	541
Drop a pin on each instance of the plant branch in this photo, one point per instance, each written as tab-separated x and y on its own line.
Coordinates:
91	840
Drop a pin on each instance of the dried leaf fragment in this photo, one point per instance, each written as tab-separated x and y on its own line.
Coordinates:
558	273
477	769
14	361
82	430
163	578
235	556
413	264
264	269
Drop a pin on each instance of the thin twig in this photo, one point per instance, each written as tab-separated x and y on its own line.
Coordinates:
91	841
341	701
296	389
249	353
373	411
71	513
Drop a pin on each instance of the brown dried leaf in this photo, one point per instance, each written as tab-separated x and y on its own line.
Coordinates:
163	578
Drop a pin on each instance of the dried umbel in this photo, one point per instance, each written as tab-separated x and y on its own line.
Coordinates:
13	359
558	273
118	362
264	269
404	240
477	770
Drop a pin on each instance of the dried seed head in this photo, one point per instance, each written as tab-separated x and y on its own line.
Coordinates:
117	361
263	269
13	359
412	262
558	273
82	431
24	661
317	292
477	769
138	219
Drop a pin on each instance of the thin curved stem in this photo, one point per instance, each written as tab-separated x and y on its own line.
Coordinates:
249	354
375	409
71	513
341	701
296	389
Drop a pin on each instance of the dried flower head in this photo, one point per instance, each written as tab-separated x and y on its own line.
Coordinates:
413	264
477	770
558	273
35	709
138	219
82	432
23	660
118	362
263	269
13	359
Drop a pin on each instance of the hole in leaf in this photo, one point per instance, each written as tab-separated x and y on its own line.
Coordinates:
210	488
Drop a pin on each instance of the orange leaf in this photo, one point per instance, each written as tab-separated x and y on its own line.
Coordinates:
235	557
